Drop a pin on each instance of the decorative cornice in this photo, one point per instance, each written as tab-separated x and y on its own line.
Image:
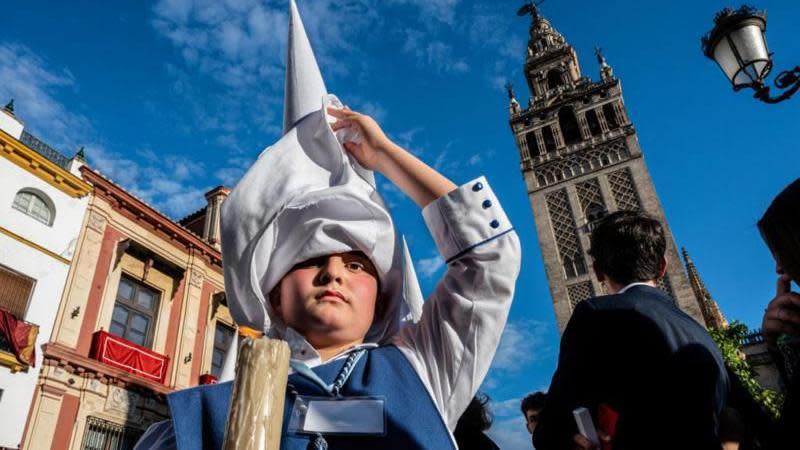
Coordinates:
147	216
31	161
66	358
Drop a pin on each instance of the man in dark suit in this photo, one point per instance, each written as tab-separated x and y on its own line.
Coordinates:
636	352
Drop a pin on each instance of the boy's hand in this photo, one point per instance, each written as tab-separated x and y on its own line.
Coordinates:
782	315
370	151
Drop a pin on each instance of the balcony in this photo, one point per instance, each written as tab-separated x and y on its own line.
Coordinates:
125	355
17	342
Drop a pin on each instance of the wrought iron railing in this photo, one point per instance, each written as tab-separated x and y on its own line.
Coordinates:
45	150
104	435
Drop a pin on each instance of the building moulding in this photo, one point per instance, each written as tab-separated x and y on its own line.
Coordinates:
31	161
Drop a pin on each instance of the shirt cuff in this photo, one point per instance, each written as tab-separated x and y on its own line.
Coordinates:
465	218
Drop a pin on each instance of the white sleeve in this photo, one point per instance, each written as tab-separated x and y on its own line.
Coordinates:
453	344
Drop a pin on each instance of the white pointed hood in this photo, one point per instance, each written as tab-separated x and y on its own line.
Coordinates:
305	197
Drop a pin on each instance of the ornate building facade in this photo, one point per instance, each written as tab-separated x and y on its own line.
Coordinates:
580	158
142	314
42	205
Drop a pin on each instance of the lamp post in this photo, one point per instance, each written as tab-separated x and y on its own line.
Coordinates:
738	45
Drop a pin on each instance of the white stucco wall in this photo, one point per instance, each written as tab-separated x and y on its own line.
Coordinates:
50	274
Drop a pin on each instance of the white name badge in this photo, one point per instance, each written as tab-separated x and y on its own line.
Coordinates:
347	415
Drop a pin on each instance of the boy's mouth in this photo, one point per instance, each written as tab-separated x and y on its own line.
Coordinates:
338	296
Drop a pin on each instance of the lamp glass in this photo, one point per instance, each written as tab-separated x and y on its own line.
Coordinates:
752	48
724	56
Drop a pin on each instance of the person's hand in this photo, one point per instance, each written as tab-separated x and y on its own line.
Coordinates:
369	151
581	443
782	315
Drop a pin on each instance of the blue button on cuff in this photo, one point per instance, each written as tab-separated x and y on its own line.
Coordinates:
494	224
477	186
486	204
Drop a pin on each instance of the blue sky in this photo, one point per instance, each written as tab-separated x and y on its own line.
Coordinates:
174	97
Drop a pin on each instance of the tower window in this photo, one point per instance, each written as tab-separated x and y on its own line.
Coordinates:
611	116
593	122
35	204
554	79
569	125
533	146
574	267
549	139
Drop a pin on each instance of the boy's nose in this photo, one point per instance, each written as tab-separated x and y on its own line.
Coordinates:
332	270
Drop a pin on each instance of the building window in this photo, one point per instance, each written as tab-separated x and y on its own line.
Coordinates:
554	79
35	204
104	435
611	116
15	292
223	337
533	145
549	139
574	267
569	125
135	312
593	122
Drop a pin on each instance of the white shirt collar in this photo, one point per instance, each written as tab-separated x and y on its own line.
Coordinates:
303	351
636	283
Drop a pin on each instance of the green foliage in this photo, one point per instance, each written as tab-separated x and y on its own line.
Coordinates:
729	340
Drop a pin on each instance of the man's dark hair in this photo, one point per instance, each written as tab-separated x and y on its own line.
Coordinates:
780	228
533	402
627	246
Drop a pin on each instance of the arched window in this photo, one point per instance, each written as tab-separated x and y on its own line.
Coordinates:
611	116
549	139
569	125
554	79
36	204
533	146
593	122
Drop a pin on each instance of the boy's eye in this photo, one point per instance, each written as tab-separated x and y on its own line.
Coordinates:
355	266
314	262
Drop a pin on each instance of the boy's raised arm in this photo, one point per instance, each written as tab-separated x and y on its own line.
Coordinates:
453	345
377	152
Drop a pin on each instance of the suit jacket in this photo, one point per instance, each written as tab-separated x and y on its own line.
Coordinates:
647	359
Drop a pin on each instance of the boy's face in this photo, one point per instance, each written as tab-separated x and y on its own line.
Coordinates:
330	300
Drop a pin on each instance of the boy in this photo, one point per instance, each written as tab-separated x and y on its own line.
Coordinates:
311	256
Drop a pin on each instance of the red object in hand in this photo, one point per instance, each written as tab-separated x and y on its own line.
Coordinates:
607	419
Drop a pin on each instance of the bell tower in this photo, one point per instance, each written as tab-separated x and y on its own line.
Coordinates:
580	158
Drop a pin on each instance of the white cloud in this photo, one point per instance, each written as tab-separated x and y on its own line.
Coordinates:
428	267
522	343
34	87
511	434
508	430
440	10
433	53
166	181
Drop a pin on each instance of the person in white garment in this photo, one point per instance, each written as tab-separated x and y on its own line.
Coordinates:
311	256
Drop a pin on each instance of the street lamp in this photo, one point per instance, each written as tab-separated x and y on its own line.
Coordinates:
738	45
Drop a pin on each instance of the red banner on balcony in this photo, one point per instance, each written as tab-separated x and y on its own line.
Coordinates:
118	352
21	337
